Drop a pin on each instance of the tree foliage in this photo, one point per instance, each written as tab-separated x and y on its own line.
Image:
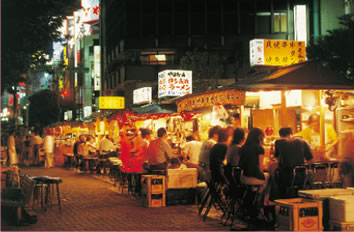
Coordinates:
336	48
28	28
44	108
206	69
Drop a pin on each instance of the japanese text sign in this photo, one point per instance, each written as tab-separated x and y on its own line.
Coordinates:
142	95
90	11
174	83
223	97
276	52
111	102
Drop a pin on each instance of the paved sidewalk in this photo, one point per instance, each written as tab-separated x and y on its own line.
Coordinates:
90	204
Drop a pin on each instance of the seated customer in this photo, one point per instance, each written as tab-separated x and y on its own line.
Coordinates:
251	162
290	153
191	152
159	151
232	154
217	156
176	164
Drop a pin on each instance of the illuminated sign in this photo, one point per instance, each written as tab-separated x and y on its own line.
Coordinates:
142	95
174	83
68	115
276	52
97	68
87	111
90	11
111	102
223	97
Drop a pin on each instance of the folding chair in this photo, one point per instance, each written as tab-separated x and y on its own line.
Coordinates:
319	175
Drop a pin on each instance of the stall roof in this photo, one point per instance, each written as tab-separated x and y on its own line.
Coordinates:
305	75
155	109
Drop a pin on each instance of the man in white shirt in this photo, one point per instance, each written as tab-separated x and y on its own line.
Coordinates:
204	156
48	145
37	143
106	146
191	152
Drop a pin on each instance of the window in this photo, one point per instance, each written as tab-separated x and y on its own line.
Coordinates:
263	22
157	58
280	22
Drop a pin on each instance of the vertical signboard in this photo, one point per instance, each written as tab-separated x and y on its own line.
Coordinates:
97	68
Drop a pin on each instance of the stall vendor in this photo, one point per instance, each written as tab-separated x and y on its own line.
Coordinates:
312	135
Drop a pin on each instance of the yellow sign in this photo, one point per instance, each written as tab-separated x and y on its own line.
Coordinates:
276	52
111	102
223	97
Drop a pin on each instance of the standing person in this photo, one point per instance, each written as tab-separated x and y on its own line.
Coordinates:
11	147
290	152
37	144
159	152
48	145
217	156
312	135
232	154
191	152
251	162
204	156
141	155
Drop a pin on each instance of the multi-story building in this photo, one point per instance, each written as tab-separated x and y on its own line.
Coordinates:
140	38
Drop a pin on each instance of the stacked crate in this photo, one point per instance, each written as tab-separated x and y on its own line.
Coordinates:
341	212
153	190
299	214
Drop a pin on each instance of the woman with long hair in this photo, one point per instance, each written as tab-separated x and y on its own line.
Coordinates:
251	162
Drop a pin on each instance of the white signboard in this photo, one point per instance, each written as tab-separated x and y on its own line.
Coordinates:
87	111
68	115
142	95
97	68
257	52
90	11
174	83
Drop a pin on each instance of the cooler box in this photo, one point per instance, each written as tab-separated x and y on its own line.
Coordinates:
341	208
324	195
299	214
341	226
182	178
153	184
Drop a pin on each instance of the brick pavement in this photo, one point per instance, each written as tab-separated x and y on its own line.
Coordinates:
89	204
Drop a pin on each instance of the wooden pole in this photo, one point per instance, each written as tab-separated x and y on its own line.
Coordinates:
283	109
322	121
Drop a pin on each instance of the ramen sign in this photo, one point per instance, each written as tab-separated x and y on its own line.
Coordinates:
223	97
175	83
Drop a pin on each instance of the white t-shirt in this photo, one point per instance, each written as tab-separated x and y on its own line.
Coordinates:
48	144
192	150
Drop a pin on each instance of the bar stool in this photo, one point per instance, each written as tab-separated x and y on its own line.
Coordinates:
319	175
52	183
299	179
336	176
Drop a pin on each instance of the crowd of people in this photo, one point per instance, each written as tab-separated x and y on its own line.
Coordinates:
25	149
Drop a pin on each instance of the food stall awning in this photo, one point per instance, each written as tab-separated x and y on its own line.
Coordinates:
155	109
306	75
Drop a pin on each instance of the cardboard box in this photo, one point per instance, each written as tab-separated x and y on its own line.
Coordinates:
153	184
299	214
182	178
154	200
341	208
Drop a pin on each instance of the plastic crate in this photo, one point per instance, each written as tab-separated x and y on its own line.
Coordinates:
299	214
341	226
324	195
153	184
154	200
180	196
341	208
